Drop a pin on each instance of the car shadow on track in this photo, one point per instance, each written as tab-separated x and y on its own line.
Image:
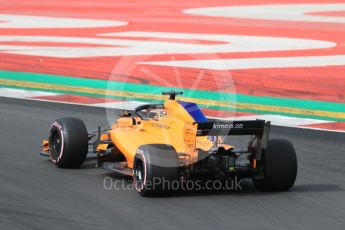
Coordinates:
247	189
317	188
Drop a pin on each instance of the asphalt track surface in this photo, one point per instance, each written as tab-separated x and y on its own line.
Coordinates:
34	194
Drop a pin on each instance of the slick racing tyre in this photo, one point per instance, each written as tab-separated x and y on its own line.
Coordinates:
155	168
280	166
68	142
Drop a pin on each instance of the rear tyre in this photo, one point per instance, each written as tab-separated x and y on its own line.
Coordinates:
155	169
68	142
280	166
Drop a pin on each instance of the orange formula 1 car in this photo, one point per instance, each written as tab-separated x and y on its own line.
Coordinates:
174	141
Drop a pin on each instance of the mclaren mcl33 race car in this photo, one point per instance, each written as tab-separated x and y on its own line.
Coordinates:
175	141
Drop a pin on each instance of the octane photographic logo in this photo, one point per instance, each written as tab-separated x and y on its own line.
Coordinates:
233	184
137	80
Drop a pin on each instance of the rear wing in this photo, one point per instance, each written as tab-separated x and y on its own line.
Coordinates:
258	128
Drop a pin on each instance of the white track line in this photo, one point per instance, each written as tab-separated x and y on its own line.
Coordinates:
123	105
256	63
20	93
284	12
279	120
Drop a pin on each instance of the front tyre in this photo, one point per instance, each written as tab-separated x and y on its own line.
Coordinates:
68	142
280	166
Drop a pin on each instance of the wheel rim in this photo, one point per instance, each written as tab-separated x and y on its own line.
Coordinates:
139	175
55	144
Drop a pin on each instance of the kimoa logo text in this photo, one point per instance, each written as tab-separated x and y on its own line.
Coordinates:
226	125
